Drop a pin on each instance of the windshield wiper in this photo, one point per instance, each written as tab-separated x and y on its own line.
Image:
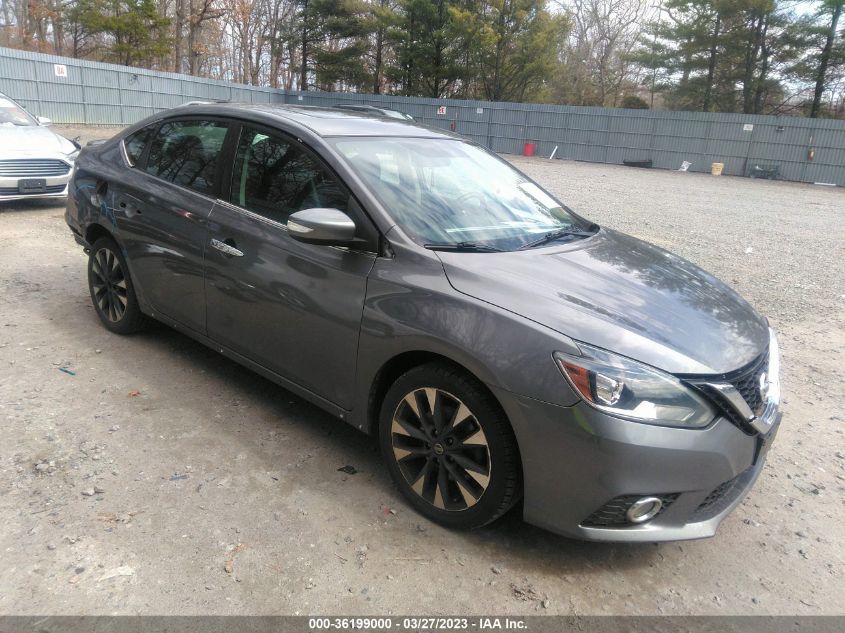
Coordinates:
556	235
470	247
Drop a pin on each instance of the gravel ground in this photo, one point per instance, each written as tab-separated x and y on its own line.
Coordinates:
148	474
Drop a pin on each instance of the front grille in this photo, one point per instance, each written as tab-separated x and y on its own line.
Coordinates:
14	191
33	168
748	383
612	513
723	496
746	380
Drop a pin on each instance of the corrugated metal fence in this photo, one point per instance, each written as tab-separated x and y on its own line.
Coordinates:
807	150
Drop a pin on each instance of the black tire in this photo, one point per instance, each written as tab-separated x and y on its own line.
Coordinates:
111	288
415	440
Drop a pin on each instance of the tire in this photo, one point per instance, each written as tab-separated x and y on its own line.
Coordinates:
456	462
111	288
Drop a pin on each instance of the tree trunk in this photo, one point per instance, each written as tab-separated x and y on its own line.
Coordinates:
764	70
711	66
378	61
178	27
58	27
303	71
194	25
821	76
751	57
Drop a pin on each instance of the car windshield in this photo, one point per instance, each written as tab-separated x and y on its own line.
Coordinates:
444	191
12	114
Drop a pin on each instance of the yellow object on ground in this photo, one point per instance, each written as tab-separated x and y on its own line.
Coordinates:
716	169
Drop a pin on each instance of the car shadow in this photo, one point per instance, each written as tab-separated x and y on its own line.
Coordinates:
508	539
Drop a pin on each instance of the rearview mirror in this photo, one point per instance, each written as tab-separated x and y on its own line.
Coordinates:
43	120
330	227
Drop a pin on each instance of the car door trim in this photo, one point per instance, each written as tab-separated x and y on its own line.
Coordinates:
252	214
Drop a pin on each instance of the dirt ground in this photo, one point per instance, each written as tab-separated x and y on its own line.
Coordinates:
149	475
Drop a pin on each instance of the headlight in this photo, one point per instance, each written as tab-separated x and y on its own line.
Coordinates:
625	388
71	158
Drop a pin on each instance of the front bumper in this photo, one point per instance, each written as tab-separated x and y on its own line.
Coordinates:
56	186
577	459
58	190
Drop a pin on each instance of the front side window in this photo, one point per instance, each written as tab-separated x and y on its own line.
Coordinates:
274	177
445	191
187	153
135	144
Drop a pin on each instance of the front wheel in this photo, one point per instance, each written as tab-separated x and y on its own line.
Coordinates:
449	447
112	292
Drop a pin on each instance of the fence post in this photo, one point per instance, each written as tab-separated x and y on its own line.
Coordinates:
84	98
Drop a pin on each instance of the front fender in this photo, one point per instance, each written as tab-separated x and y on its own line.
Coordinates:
410	307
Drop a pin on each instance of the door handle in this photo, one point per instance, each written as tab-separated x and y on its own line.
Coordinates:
227	247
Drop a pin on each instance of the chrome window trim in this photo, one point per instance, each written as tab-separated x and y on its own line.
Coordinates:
279	225
252	214
125	154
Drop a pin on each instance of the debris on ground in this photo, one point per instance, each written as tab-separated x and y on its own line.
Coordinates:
123	570
229	565
349	470
524	592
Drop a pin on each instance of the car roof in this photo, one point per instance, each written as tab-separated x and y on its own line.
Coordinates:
319	120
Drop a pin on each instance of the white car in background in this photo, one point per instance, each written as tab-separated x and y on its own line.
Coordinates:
35	162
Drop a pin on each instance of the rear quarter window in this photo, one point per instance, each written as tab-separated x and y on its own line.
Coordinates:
135	143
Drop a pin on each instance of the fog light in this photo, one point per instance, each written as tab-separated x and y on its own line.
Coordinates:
644	509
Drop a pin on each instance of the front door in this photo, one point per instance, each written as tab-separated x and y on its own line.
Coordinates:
293	308
162	208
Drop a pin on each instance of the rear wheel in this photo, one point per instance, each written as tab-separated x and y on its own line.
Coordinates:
112	292
449	447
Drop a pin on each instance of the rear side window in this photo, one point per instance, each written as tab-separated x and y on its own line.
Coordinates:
135	143
274	178
187	153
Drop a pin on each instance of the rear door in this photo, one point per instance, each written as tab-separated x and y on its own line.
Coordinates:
293	308
162	208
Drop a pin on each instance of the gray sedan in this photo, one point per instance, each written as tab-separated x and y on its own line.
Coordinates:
500	346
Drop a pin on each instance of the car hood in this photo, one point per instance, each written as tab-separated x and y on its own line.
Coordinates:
621	294
31	141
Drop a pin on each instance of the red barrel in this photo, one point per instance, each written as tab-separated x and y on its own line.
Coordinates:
528	149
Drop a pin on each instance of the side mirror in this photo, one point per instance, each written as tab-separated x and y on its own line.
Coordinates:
322	226
43	120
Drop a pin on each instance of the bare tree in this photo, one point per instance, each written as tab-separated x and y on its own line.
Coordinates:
604	34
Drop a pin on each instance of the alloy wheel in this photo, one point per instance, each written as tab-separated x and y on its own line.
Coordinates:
441	449
109	285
